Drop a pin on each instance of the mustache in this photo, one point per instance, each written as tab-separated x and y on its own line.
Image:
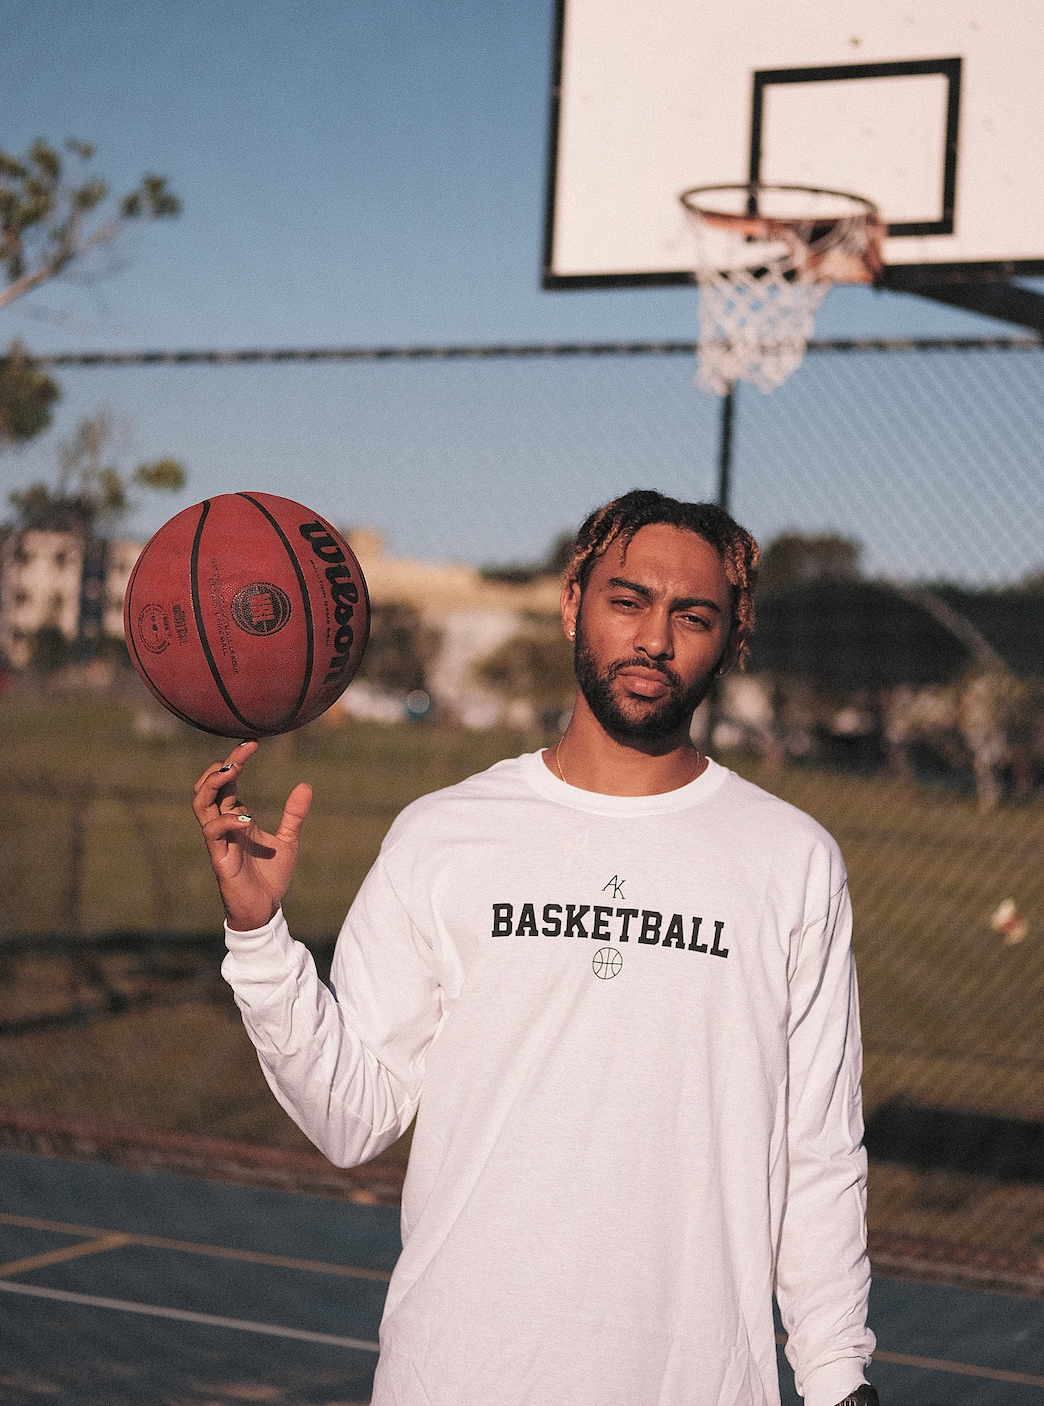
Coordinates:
619	665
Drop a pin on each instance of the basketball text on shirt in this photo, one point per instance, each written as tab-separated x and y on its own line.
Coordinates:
645	925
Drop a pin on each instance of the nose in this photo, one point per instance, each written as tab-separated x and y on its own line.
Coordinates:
654	637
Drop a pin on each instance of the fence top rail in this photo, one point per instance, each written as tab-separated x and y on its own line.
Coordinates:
506	351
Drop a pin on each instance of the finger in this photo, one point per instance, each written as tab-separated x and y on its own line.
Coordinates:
234	762
208	800
218	782
296	809
231	839
213	781
223	830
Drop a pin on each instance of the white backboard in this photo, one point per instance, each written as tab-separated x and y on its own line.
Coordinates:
933	109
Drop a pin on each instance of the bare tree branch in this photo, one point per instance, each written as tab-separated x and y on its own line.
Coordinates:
46	214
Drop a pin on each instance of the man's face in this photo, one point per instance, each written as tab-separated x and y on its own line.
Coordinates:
651	630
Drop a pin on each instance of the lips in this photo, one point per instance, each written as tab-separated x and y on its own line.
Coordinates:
643	680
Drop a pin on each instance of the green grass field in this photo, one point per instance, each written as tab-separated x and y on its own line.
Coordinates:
951	1016
98	837
98	834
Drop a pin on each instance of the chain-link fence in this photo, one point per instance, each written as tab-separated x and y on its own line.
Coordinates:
897	693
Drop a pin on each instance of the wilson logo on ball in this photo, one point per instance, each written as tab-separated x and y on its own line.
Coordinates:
343	590
261	608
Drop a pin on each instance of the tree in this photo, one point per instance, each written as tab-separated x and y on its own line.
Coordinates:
793	559
535	665
400	648
92	491
26	397
52	221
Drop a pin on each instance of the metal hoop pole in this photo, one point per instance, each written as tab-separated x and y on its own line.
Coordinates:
725	448
728	404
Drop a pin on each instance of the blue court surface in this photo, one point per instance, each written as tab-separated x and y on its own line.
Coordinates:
125	1287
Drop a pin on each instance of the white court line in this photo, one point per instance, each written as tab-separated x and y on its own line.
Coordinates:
244	1325
184	1316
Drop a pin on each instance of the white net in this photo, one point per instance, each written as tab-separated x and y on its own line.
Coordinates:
762	277
754	326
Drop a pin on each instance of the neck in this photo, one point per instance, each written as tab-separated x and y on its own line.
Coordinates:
592	759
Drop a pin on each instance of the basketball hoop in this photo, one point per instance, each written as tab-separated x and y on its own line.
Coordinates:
764	267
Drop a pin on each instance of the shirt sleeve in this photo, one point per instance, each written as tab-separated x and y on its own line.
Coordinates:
345	1061
822	1272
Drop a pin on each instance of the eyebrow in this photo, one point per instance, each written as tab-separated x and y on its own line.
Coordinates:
683	603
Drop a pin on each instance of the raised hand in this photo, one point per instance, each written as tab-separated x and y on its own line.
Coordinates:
253	868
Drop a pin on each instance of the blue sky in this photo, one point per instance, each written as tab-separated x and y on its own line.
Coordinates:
352	174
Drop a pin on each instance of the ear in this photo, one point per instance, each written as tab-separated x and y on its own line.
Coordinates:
570	608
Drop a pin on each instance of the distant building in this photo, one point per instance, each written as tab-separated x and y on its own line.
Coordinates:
49	579
472	615
439	589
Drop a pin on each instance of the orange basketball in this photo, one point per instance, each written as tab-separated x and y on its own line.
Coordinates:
247	615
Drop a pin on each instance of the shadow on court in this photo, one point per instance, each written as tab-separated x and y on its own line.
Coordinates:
120	1287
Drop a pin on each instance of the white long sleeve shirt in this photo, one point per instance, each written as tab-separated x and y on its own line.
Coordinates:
631	1027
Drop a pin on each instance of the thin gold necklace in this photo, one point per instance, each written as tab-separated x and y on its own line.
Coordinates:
558	762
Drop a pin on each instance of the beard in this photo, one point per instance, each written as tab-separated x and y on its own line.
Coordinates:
659	718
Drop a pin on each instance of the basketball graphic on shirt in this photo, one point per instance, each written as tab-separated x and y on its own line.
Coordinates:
606	963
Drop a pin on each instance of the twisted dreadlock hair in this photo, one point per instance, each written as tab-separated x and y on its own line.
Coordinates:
644	507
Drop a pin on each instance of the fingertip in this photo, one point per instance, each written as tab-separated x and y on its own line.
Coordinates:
238	755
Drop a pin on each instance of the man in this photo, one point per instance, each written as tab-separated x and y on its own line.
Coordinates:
618	982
